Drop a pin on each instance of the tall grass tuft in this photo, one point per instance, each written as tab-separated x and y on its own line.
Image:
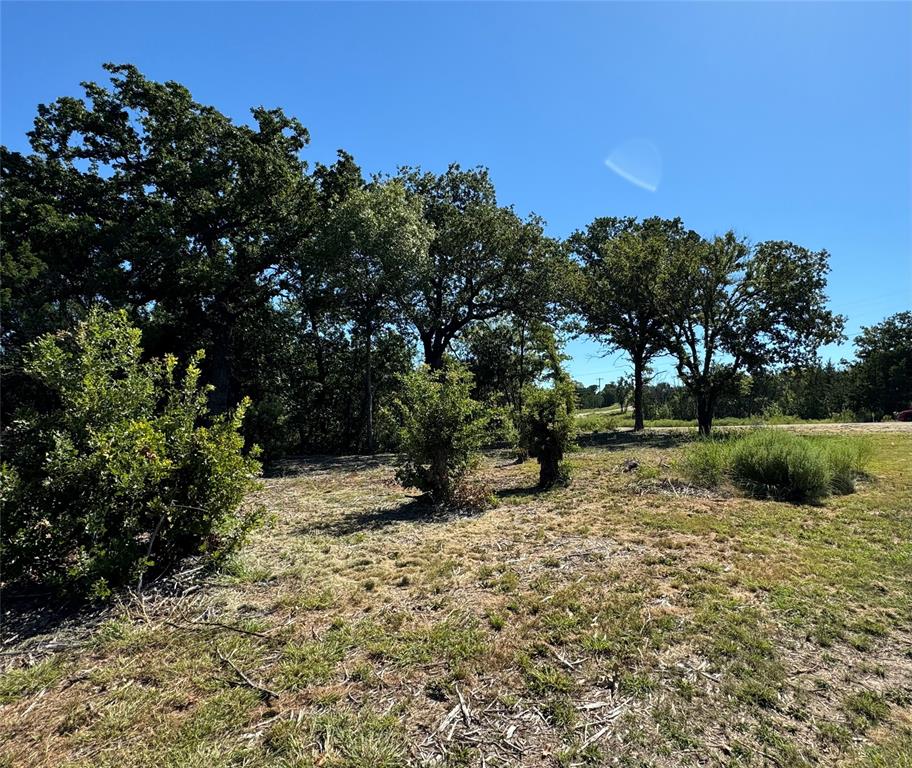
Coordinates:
705	462
848	459
772	463
782	465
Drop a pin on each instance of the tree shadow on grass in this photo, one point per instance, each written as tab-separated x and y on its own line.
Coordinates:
521	491
418	510
38	622
296	466
626	440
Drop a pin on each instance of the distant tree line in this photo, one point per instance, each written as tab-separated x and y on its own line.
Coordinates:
874	386
314	291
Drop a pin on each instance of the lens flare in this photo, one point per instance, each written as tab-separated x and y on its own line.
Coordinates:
637	161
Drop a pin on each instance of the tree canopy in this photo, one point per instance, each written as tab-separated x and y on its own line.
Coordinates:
738	308
314	290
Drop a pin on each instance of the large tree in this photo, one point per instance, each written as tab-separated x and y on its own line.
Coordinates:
738	308
506	356
484	261
373	240
138	195
882	377
622	286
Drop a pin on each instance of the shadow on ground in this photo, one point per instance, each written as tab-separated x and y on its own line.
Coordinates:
623	441
418	510
42	622
529	490
294	466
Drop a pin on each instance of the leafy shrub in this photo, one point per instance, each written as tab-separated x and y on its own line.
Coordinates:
596	422
122	470
547	429
442	429
500	425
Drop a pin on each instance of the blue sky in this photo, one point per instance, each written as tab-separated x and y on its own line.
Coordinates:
780	120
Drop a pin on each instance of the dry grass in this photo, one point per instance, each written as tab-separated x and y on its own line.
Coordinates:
624	620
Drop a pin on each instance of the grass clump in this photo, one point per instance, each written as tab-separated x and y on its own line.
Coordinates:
705	462
781	465
866	708
21	682
771	463
355	740
847	458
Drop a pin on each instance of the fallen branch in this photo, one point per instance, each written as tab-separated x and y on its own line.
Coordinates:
467	716
595	737
265	691
218	624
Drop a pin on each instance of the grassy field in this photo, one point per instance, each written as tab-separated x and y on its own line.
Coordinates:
626	620
612	418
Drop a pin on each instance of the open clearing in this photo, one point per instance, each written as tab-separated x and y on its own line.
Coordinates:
625	620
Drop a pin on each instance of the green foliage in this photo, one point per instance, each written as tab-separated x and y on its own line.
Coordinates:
737	308
777	463
374	240
705	462
500	424
123	471
847	459
596	422
442	429
781	465
141	196
622	288
505	356
484	261
547	429
882	378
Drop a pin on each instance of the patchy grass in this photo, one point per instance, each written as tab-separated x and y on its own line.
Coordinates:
626	618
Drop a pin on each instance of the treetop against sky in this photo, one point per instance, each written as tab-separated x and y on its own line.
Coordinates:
782	121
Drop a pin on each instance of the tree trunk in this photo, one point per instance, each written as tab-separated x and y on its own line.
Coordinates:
369	390
706	407
638	392
549	471
433	356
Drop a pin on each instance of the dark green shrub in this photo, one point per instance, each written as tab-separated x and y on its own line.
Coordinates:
122	470
442	430
547	429
500	424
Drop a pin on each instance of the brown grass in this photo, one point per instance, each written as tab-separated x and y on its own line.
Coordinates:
623	620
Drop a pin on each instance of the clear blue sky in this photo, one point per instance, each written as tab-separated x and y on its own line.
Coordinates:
785	121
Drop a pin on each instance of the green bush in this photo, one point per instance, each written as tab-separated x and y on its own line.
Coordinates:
120	470
500	424
442	430
547	429
596	422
